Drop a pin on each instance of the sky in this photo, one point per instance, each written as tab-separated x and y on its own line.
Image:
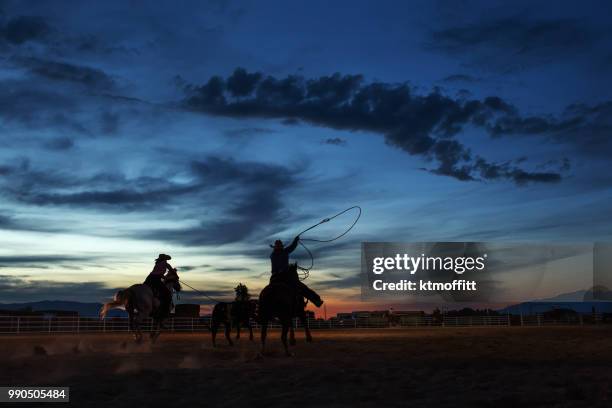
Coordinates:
208	129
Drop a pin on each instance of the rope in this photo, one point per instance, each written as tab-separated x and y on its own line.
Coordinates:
331	218
200	292
306	271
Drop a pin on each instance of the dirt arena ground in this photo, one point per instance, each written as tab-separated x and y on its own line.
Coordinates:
441	367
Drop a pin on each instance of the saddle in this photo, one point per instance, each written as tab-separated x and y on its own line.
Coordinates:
289	286
288	276
155	288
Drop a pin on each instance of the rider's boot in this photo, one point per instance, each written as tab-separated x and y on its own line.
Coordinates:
309	294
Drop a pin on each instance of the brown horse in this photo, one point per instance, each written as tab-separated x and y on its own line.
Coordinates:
281	299
234	313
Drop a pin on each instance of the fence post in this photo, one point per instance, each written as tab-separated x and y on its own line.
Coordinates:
104	325
18	323
49	325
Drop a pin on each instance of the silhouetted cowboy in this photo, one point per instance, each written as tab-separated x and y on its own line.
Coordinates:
280	264
154	280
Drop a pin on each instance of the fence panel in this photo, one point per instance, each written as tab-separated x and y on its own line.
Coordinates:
42	324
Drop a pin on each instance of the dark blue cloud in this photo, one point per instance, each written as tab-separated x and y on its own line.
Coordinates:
335	141
250	194
21	29
19	288
59	144
35	107
92	78
11	223
256	193
14	260
461	78
519	36
422	125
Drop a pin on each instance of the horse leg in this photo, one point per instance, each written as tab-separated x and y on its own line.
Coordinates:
250	331
264	333
306	329
292	335
238	330
133	326
137	333
155	330
213	330
131	322
228	330
284	337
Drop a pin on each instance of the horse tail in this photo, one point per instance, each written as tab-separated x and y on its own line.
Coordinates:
121	299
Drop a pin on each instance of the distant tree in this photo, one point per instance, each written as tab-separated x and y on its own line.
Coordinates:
242	293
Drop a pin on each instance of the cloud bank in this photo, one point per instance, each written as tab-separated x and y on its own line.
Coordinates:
421	125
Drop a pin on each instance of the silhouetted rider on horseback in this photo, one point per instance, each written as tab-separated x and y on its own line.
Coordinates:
154	280
280	265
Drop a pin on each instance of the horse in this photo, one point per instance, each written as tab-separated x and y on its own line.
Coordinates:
233	313
281	299
139	302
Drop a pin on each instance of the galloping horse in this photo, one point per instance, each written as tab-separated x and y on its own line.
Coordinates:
282	299
233	313
140	303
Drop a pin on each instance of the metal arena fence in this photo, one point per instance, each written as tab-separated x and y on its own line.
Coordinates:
73	324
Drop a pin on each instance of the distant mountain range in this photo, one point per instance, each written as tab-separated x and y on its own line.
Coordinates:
545	306
598	299
581	301
84	309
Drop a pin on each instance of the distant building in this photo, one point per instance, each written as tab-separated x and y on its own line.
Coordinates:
382	315
405	316
375	314
408	313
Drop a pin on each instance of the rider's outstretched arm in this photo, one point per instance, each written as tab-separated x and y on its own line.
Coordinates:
293	245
